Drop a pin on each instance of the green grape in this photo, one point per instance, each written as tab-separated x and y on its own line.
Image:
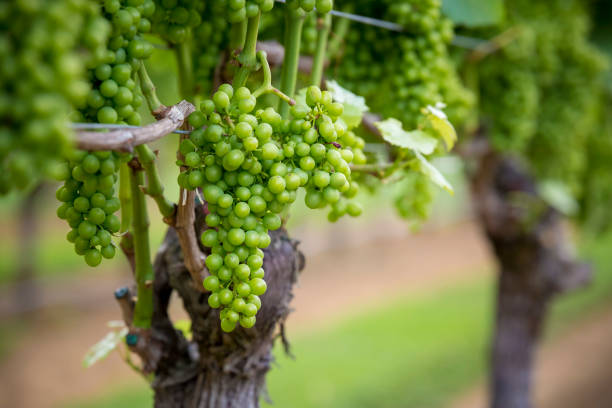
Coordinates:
112	99
412	68
92	211
247	187
46	48
548	107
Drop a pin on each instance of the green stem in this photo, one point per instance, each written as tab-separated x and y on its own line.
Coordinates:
143	310
146	156
148	88
318	62
267	87
185	68
248	58
237	35
154	187
125	197
294	21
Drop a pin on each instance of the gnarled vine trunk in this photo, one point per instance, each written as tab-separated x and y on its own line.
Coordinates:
535	264
214	369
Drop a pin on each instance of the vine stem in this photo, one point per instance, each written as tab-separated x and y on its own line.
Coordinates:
237	35
294	21
154	186
148	88
248	58
146	156
125	197
185	68
318	63
267	87
125	139
143	268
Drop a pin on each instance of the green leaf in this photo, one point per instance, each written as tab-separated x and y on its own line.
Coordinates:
558	196
354	105
417	140
474	13
438	120
102	349
434	174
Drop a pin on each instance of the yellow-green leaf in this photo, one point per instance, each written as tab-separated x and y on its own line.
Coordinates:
434	174
442	125
417	140
101	349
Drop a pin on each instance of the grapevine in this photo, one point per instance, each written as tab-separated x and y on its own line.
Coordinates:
42	48
89	193
250	164
538	95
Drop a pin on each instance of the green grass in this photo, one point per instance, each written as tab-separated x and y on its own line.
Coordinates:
412	352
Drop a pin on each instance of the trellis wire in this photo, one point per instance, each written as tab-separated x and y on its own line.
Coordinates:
458	40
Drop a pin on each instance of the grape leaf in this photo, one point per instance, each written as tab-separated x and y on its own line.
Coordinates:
434	174
102	349
417	140
354	105
442	125
558	196
474	13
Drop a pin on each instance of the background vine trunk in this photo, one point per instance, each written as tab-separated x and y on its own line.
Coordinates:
535	264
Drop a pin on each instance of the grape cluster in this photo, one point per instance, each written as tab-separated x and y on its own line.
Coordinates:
173	19
540	96
209	39
89	189
44	47
249	165
89	203
115	97
414	200
412	68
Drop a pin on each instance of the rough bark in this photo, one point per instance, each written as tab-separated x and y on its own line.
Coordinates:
214	369
535	264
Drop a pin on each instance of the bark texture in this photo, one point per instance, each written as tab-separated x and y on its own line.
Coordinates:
535	264
214	369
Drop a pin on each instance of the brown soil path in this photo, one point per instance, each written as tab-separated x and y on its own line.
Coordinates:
573	371
350	269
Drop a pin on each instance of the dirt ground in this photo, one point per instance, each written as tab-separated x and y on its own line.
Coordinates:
44	368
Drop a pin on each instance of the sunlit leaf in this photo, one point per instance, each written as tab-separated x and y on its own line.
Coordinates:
417	140
438	120
434	174
354	105
102	349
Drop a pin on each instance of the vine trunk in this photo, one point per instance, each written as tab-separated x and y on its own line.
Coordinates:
214	369
535	264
